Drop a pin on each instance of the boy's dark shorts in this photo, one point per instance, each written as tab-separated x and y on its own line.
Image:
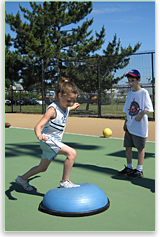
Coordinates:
131	140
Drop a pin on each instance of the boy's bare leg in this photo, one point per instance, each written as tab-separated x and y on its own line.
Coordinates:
141	154
138	172
129	155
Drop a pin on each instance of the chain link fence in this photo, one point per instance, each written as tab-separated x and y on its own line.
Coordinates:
98	98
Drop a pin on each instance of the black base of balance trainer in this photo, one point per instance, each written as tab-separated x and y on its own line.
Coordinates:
88	199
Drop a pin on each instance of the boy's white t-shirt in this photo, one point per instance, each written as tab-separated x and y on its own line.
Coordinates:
135	103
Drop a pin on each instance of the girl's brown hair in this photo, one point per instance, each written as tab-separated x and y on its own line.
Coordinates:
65	87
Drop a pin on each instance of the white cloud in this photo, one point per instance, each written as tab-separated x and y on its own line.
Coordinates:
97	11
111	9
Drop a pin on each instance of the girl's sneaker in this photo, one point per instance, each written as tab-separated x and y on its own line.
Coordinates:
68	184
24	184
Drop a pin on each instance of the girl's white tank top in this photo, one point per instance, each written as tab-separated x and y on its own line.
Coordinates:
55	127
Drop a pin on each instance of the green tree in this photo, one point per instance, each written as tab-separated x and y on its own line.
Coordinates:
13	63
84	73
42	36
115	57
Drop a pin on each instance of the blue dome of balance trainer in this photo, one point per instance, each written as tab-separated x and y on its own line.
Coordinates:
88	199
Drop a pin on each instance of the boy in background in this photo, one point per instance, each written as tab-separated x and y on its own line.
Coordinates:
137	104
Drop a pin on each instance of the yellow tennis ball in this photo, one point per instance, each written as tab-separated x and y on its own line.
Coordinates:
107	132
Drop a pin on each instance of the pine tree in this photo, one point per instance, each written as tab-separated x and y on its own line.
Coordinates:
42	35
84	73
115	57
13	63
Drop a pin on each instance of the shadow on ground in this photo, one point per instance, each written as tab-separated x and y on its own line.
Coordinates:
19	189
14	150
122	154
143	182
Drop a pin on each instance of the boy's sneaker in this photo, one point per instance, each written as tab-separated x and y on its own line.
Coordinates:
24	184
68	184
125	171
135	174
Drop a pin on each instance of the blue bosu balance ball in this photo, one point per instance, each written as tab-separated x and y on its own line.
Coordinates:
88	199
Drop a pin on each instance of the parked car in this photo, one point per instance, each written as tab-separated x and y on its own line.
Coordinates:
24	101
94	99
19	102
40	102
7	102
34	101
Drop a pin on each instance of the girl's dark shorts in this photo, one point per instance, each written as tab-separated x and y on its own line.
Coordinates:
131	140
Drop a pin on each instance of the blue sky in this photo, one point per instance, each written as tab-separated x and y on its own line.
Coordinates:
132	22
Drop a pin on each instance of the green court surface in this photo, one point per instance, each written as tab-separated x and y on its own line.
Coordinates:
132	202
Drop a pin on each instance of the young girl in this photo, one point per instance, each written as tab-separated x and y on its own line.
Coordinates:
53	123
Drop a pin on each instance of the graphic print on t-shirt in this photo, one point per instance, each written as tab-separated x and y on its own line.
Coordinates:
134	108
64	119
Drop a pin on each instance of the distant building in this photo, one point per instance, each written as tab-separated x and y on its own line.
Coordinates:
19	87
112	92
147	86
16	87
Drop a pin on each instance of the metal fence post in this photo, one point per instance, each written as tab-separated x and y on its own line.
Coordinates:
99	87
42	90
11	92
12	97
153	85
20	101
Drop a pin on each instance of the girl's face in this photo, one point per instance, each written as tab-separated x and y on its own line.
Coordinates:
66	101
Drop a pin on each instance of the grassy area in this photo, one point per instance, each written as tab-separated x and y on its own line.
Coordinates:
112	109
105	109
24	109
